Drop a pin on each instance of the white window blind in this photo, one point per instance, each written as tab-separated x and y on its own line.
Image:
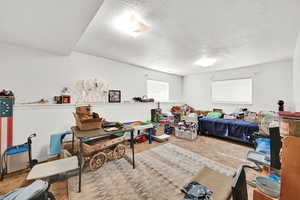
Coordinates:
232	91
158	90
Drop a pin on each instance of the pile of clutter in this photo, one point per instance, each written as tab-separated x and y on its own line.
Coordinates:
180	112
187	128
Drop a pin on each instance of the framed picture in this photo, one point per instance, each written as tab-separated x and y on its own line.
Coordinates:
114	96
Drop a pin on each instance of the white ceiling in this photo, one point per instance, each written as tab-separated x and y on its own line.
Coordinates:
51	25
237	32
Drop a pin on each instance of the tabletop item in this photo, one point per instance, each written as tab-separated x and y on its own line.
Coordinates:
112	126
268	186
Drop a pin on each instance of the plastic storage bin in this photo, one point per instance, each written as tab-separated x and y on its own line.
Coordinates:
189	135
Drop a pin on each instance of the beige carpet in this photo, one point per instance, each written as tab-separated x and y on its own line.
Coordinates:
160	173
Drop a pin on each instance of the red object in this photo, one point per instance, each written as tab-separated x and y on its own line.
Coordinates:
6	133
141	139
65	99
165	122
289	114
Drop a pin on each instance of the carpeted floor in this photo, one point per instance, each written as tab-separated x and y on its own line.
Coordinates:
160	173
227	153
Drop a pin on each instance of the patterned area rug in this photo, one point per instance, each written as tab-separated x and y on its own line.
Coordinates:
160	174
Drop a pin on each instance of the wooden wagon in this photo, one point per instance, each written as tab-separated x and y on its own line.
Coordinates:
99	151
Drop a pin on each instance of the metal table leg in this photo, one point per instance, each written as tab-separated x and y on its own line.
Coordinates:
150	135
132	148
80	164
73	138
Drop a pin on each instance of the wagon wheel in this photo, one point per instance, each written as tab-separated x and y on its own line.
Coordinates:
119	151
109	154
97	161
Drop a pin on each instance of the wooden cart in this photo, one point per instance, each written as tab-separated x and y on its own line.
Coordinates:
97	152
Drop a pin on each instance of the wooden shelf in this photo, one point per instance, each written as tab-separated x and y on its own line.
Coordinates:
65	106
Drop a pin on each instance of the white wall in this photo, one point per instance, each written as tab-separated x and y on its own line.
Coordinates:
296	76
271	82
36	74
33	75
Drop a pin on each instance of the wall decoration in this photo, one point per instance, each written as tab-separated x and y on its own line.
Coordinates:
6	123
90	91
114	96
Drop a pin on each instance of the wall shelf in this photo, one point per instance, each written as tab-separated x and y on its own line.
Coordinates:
67	106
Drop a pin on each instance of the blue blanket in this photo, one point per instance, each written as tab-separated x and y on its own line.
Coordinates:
239	129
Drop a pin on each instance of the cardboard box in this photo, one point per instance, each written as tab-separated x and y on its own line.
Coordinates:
290	127
290	173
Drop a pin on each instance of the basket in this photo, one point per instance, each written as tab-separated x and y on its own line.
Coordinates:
87	124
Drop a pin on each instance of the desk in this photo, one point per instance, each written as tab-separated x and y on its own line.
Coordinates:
96	134
234	129
56	167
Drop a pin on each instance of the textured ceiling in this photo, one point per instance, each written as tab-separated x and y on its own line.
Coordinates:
237	32
51	25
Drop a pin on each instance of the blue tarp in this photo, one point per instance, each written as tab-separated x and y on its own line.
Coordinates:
239	129
17	149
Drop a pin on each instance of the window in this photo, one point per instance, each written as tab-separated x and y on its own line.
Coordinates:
158	90
232	91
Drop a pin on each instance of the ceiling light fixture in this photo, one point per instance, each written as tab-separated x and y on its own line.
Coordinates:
130	23
206	61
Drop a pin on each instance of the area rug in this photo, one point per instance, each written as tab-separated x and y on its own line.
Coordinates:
159	175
